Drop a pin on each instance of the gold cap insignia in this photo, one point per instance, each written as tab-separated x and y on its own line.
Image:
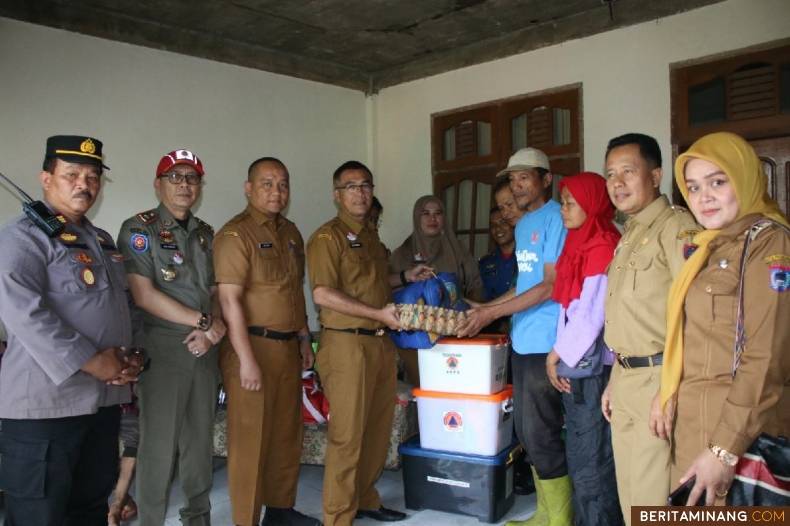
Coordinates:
87	146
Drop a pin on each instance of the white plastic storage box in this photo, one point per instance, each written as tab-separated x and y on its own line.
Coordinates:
463	423
465	365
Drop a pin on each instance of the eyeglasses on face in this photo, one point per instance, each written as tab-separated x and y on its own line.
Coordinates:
177	178
352	188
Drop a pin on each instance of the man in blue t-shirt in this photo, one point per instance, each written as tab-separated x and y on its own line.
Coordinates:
540	236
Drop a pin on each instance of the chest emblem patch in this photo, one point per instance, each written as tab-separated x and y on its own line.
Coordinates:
779	277
178	258
688	250
84	258
166	236
88	277
534	238
68	237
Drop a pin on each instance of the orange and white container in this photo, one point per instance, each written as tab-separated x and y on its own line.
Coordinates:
463	423
465	365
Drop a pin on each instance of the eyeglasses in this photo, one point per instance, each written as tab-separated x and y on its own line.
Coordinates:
351	188
177	178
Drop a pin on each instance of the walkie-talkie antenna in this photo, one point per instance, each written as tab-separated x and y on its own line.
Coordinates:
21	192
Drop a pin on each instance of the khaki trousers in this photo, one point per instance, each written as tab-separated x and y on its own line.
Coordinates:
177	400
264	429
359	377
641	460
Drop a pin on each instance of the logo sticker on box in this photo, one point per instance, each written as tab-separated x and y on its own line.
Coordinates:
453	422
452	363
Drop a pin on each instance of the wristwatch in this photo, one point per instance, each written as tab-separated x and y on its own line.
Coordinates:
144	353
724	456
205	322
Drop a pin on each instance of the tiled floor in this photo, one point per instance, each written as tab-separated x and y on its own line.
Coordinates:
308	501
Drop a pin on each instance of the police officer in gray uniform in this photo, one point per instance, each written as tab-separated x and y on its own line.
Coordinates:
74	340
170	271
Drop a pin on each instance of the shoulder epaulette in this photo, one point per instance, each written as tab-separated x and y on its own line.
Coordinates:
148	217
758	227
205	225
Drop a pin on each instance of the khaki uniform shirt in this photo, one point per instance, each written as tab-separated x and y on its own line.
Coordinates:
62	300
348	256
266	257
177	261
712	406
646	260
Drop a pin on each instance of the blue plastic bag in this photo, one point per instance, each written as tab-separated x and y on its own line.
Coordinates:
439	291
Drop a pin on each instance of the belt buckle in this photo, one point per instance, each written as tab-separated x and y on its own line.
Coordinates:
380	332
623	361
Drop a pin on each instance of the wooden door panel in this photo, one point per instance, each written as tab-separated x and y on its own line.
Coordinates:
775	154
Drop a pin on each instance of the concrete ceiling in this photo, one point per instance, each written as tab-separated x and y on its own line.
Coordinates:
359	44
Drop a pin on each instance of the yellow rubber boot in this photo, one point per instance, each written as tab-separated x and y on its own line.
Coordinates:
558	494
541	515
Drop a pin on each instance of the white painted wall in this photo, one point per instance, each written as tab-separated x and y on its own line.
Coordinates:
143	103
625	76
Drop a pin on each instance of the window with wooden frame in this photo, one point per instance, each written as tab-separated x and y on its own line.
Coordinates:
471	145
747	94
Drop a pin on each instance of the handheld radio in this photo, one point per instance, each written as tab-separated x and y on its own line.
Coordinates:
38	212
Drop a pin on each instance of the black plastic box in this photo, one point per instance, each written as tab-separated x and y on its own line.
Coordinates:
472	485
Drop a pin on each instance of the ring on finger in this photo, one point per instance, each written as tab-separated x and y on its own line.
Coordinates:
721	494
197	353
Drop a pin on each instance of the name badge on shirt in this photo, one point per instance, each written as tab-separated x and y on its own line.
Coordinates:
355	245
167	246
264	245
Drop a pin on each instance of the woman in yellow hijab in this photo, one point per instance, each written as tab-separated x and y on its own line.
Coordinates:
718	414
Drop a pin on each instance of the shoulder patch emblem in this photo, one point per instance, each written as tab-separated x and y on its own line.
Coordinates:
139	243
230	233
205	225
779	276
688	233
148	217
325	236
777	257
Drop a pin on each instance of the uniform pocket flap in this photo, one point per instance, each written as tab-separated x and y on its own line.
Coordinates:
27	448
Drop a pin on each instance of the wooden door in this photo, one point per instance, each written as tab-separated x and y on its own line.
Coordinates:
775	154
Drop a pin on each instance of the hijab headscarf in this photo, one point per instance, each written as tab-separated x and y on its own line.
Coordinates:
443	252
589	249
738	160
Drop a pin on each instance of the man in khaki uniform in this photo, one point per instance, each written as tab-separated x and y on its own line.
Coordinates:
168	263
356	357
657	241
259	261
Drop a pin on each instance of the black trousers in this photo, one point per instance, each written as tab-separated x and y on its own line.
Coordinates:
538	418
59	471
589	454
